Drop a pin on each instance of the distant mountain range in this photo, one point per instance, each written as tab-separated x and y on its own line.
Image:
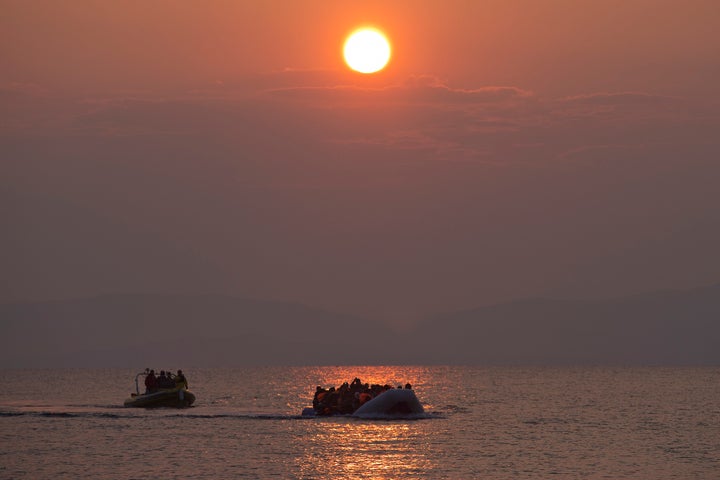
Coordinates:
138	330
659	328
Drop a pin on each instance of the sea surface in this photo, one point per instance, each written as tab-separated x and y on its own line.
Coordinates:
485	423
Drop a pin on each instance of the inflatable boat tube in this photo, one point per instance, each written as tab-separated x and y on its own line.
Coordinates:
392	403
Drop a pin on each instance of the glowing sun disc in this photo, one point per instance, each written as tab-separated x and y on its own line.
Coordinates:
366	50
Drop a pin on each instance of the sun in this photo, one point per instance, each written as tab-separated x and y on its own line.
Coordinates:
367	50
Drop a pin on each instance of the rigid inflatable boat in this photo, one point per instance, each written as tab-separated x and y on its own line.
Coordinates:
177	397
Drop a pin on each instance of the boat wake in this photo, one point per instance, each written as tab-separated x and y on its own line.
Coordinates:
120	413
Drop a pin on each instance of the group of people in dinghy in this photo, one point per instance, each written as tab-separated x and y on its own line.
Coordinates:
164	380
348	398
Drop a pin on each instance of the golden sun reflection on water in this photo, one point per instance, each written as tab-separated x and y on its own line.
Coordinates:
357	449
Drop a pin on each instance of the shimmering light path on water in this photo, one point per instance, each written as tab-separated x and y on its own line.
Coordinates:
490	423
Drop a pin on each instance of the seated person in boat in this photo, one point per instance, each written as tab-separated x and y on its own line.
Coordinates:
165	380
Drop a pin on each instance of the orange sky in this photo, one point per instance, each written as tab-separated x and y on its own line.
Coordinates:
510	149
553	46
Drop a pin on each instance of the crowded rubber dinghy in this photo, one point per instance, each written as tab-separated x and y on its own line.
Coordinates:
363	399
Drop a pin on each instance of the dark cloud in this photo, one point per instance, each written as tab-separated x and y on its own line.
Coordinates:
417	90
421	114
621	98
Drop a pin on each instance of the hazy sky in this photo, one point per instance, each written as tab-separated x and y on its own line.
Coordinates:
511	148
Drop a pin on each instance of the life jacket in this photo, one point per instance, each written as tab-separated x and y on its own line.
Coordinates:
365	397
180	383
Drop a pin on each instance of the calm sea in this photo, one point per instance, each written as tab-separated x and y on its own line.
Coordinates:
486	423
